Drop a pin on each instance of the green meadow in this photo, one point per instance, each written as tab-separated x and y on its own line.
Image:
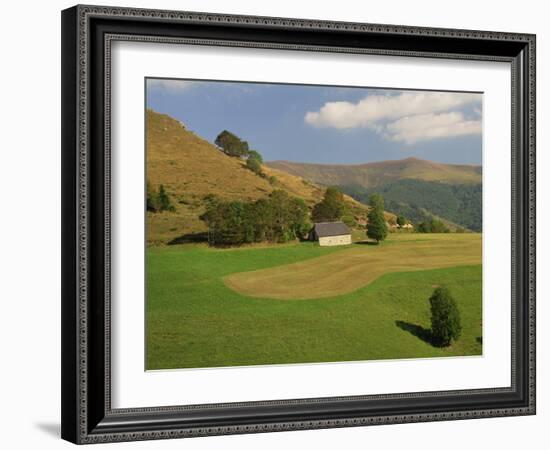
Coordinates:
301	303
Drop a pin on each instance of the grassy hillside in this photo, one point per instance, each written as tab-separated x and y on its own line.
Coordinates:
189	165
379	173
191	168
195	320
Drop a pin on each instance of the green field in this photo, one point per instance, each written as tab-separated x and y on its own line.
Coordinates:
379	310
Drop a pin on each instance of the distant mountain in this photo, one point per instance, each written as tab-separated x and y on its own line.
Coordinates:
191	168
412	187
380	173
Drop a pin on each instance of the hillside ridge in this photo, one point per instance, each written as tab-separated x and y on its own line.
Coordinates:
381	172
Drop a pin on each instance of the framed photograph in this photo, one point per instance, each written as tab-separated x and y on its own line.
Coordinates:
280	224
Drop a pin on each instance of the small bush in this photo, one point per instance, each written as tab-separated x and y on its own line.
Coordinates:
446	326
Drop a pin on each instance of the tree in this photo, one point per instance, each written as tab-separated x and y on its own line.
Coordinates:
286	215
445	317
164	200
438	226
331	208
158	201
255	155
225	223
264	220
254	165
423	227
299	218
376	223
254	162
401	221
152	198
432	226
231	144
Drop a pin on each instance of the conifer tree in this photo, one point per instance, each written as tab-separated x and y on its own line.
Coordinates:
377	228
446	325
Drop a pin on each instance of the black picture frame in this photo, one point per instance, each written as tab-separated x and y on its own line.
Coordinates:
87	32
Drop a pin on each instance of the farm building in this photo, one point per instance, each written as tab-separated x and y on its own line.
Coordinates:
331	233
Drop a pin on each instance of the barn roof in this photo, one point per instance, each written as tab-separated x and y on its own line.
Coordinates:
323	229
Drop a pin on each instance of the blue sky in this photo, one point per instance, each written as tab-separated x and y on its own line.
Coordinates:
324	124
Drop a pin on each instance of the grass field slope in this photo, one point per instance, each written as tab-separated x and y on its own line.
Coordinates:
195	319
189	165
356	267
191	168
379	173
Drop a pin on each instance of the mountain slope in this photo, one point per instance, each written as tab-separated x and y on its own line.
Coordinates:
417	200
191	168
380	173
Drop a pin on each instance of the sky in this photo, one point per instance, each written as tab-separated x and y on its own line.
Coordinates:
328	124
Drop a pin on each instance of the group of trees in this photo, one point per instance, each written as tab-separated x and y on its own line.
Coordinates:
158	200
432	226
232	145
277	218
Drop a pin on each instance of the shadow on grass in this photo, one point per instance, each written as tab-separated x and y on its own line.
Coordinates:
366	243
479	340
190	238
418	331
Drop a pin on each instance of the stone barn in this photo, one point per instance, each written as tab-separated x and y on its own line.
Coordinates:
331	233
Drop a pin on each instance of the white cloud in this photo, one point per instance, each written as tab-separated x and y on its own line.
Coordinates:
423	127
395	115
170	86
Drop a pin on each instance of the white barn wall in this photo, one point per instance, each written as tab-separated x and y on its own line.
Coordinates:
328	241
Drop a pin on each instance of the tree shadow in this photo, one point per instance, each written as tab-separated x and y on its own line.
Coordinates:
366	243
420	332
190	238
479	340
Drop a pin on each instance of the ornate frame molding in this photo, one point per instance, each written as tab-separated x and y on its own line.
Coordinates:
80	418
